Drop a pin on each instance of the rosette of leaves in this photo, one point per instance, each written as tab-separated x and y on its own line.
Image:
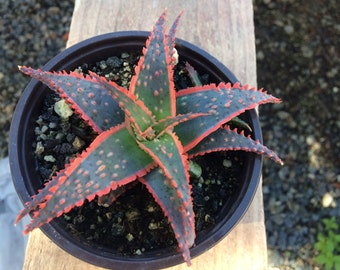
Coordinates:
146	133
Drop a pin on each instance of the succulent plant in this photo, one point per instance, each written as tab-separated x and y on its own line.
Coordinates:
146	133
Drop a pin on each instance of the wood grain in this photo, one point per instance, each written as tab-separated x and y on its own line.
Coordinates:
225	29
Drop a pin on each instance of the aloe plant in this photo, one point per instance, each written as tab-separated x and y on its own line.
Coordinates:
146	133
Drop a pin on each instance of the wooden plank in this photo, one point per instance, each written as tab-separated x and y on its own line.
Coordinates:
225	29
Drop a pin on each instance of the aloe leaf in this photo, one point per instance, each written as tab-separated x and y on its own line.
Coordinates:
172	31
177	207
225	139
85	95
195	80
193	75
153	82
175	195
222	102
108	159
171	37
238	122
168	153
98	101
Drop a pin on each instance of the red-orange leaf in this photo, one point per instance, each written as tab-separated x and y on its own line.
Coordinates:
105	165
153	82
222	102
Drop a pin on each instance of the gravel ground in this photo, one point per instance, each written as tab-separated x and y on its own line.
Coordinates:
32	32
298	60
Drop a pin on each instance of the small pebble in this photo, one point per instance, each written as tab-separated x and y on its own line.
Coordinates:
39	148
328	200
52	125
49	158
195	170
151	209
53	10
132	215
63	109
44	129
138	252
153	226
102	65
129	237
289	29
124	55
78	143
227	163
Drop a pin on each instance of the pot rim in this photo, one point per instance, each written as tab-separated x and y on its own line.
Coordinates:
16	153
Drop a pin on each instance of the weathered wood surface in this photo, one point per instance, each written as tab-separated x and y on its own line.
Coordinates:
225	29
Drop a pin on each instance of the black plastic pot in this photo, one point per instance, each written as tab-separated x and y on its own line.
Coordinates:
27	180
